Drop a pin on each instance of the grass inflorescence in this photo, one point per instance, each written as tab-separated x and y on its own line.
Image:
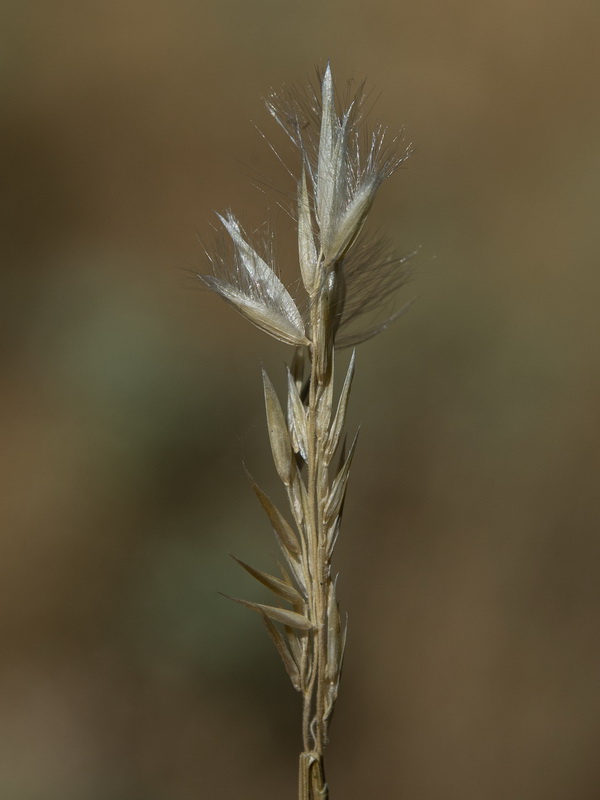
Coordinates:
346	275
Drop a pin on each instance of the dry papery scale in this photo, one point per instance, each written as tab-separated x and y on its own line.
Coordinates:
346	276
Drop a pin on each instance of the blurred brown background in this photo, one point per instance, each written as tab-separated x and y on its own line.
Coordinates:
470	555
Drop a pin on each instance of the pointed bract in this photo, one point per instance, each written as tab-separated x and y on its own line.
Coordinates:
307	252
338	488
340	415
284	651
286	536
283	615
278	433
279	587
297	418
325	175
353	217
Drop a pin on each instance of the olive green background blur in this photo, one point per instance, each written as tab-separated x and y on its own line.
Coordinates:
470	555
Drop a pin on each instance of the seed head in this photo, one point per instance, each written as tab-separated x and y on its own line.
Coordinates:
342	167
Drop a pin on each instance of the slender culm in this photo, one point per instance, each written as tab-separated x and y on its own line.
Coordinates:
345	277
